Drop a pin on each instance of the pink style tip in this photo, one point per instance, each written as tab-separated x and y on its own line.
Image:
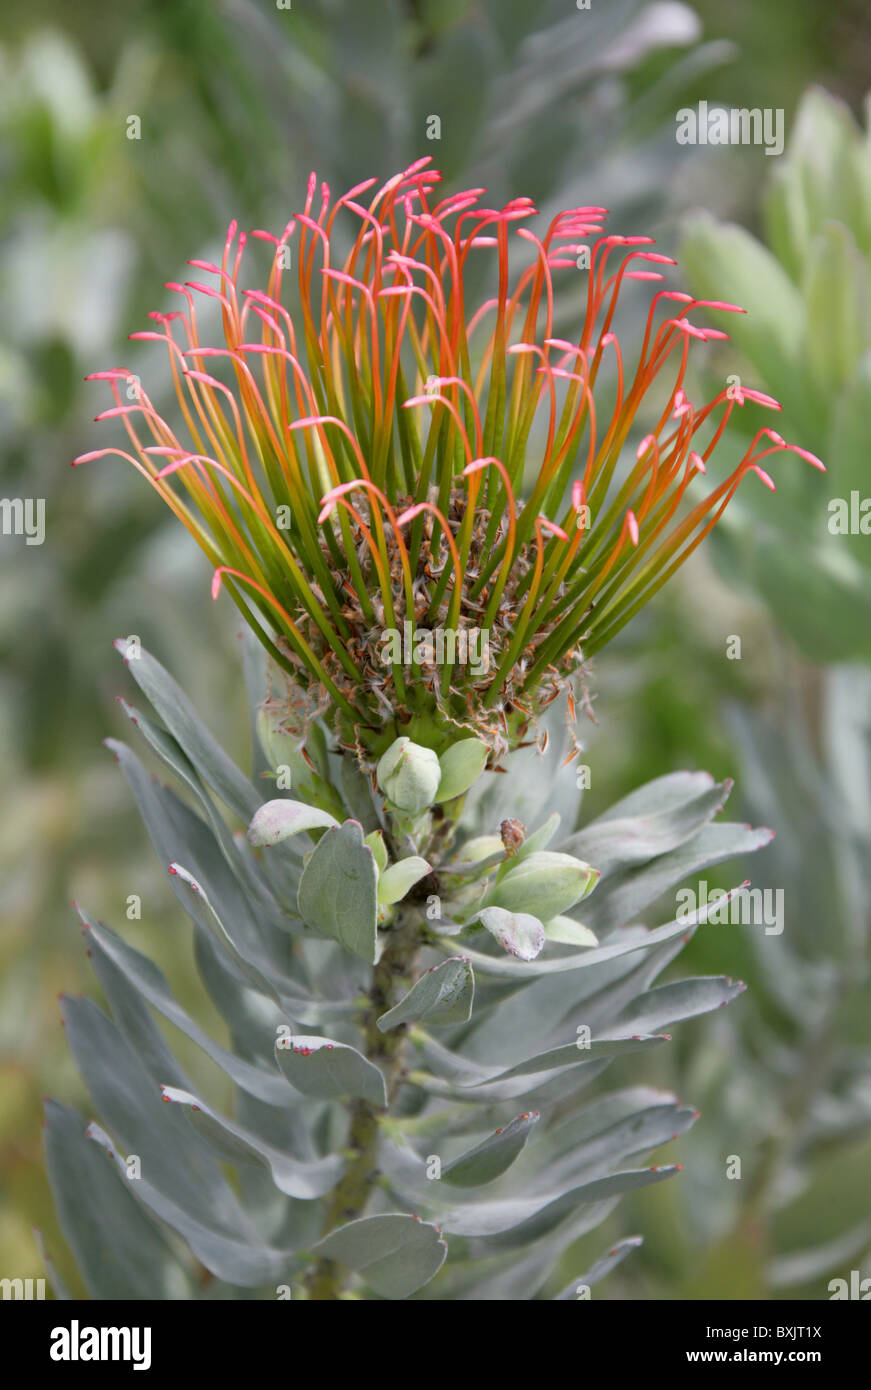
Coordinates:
552	527
720	304
808	457
89	457
766	478
760	398
648	442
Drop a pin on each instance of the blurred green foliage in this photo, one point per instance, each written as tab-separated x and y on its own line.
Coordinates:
808	342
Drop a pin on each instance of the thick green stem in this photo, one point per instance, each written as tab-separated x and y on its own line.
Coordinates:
351	1196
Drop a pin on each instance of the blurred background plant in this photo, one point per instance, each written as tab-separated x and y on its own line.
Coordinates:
809	345
129	139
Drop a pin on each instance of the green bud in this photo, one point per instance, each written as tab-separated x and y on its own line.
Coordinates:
545	883
461	765
409	776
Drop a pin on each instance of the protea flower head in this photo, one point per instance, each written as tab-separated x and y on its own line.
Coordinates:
370	462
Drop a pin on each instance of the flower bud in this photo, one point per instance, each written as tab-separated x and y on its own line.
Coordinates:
409	776
513	834
545	883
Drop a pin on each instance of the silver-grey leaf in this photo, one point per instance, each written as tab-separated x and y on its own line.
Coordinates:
396	1254
329	1070
184	723
338	890
443	995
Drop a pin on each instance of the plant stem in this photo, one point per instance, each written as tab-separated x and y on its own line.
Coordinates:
351	1195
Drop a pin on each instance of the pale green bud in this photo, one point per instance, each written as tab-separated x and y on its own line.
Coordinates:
409	776
545	883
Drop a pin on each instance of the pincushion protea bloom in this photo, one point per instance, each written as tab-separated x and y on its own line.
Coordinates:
370	450
380	455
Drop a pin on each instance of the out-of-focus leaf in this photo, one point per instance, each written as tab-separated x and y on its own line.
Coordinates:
172	1158
604	1133
820	179
121	1253
242	1260
836	291
723	261
469	1082
613	843
824	602
55	1282
803	1266
674	1002
667	793
602	1266
627	893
